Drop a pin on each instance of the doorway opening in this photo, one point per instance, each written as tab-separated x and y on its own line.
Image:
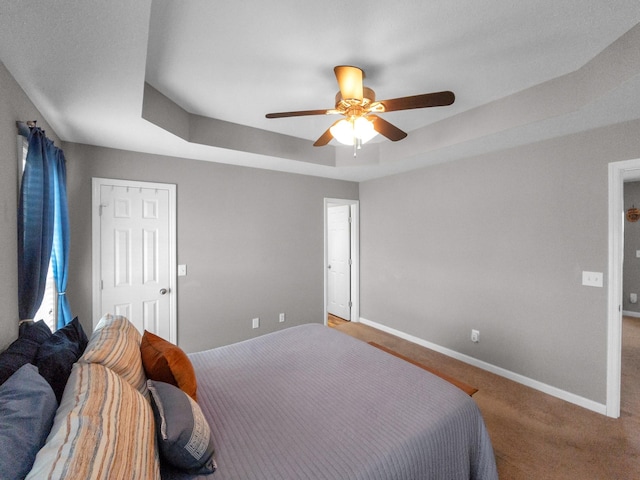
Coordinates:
341	277
630	351
619	173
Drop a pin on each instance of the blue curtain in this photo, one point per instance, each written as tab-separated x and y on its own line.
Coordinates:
60	251
43	226
35	225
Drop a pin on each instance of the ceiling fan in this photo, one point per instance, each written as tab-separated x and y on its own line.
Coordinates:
359	107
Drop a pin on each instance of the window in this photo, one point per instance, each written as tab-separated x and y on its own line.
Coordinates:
47	309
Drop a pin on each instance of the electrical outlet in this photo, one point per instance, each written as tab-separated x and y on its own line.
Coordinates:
475	336
281	319
256	322
592	279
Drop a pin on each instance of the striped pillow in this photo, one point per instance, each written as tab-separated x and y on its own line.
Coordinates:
115	343
104	429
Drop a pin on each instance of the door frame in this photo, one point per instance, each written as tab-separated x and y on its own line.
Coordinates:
619	173
355	255
96	184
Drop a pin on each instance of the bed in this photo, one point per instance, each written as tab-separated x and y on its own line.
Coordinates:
306	402
309	402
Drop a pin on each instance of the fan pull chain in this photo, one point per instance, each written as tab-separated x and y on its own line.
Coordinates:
357	145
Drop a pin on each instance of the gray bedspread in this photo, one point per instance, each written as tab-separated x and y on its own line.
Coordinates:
310	402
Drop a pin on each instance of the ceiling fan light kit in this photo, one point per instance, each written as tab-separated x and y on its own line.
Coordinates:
353	131
358	105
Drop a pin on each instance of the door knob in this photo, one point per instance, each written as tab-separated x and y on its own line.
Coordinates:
164	291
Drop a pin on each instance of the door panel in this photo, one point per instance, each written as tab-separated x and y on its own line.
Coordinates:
339	255
135	243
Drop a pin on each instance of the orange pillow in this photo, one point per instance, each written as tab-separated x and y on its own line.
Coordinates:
165	362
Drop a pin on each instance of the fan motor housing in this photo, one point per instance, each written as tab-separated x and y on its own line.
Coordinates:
368	96
354	106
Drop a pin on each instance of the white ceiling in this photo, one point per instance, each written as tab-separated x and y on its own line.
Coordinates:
84	65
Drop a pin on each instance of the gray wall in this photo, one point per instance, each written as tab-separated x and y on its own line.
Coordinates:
498	243
14	106
252	241
495	242
631	268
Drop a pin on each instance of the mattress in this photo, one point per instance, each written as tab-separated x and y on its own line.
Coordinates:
310	402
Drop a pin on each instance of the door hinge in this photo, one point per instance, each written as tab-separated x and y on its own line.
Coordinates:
350	304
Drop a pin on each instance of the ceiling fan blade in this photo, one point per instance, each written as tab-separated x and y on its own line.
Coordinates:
437	99
325	138
301	113
387	129
350	81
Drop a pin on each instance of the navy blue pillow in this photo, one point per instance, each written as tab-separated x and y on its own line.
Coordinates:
27	409
58	353
38	331
23	350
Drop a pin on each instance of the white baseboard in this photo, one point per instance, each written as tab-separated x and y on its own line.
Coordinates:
516	377
628	313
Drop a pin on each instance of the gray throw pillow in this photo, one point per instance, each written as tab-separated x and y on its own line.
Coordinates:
184	436
27	408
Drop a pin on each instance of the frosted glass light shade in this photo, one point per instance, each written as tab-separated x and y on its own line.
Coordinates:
348	131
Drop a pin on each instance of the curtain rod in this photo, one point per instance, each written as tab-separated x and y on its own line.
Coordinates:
23	127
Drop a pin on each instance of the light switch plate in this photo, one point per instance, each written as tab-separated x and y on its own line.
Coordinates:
182	270
592	279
